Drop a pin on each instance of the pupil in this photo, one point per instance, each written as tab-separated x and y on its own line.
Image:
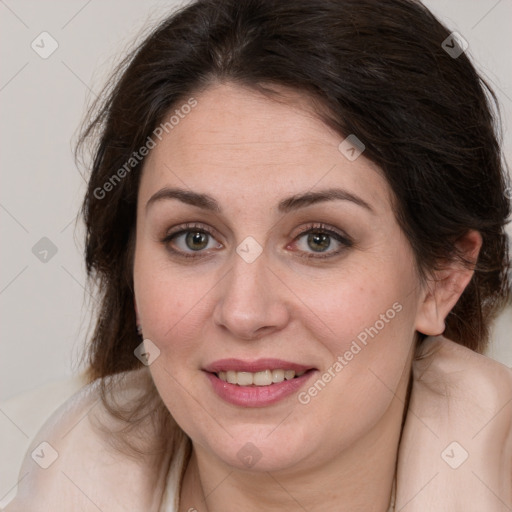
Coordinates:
321	239
196	238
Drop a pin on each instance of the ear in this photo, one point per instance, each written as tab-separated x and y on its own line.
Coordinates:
443	289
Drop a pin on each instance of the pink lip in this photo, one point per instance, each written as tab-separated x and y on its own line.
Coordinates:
256	396
237	365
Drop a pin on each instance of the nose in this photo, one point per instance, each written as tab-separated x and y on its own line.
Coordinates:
251	300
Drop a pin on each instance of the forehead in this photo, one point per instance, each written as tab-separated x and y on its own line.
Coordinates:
238	143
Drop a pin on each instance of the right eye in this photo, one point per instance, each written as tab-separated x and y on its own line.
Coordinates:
190	239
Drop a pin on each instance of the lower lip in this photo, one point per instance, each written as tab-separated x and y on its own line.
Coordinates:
257	396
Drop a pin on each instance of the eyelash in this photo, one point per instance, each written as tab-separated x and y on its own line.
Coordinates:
317	228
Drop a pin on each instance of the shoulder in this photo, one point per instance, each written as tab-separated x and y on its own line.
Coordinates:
457	439
463	385
445	366
72	463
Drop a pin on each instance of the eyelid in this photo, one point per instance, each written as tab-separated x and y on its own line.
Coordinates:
189	226
324	228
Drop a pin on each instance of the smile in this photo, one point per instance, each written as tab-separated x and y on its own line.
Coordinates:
256	383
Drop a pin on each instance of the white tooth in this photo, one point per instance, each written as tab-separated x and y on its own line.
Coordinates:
244	378
263	378
277	376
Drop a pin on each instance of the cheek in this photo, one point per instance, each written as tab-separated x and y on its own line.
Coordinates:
166	297
169	305
371	319
370	364
368	304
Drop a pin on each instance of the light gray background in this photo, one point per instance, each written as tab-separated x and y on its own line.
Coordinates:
42	102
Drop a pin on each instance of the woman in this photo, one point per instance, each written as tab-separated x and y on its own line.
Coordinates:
295	217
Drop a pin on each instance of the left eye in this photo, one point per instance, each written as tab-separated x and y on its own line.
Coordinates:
319	240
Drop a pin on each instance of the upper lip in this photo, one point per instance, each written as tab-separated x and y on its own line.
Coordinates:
258	365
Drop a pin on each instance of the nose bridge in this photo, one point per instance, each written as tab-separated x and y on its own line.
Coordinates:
251	300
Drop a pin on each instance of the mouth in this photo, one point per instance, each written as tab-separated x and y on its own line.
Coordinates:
256	383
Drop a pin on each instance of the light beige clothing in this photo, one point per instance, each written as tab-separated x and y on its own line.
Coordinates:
456	448
455	454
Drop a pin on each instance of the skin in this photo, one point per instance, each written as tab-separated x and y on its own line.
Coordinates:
337	452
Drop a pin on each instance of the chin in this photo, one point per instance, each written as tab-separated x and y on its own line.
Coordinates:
261	452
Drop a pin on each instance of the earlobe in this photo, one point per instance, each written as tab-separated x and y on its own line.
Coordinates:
446	285
430	319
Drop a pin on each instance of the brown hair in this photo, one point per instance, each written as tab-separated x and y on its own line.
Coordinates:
427	120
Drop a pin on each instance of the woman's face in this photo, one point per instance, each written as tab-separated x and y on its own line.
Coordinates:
266	275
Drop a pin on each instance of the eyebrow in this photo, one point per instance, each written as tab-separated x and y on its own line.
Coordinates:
295	202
